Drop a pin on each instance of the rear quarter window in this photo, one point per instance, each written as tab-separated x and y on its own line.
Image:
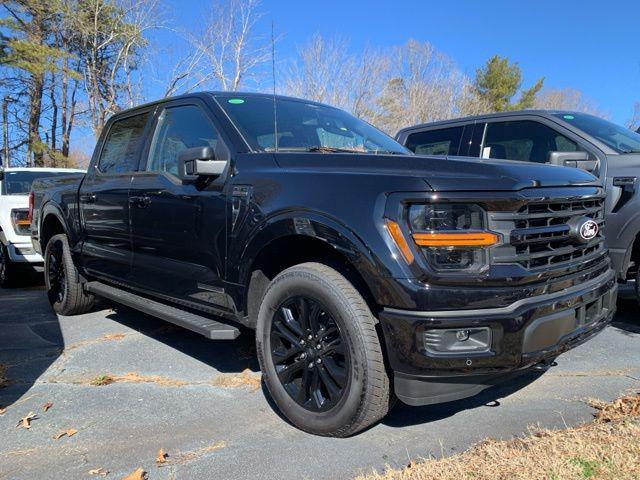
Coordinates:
444	141
120	150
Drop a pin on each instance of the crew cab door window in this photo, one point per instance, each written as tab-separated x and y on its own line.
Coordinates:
120	150
445	141
178	129
524	140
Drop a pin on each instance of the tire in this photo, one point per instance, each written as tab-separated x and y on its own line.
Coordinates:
7	269
337	376
65	292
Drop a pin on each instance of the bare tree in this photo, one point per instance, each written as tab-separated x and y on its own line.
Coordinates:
424	85
112	35
228	45
326	72
634	121
566	99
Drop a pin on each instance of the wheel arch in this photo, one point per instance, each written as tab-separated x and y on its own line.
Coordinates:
52	223
310	238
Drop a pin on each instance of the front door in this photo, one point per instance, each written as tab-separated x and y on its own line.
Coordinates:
179	228
104	202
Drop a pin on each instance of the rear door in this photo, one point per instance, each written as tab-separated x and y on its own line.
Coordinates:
179	228
104	198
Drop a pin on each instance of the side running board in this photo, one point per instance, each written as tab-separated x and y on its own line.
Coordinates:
199	324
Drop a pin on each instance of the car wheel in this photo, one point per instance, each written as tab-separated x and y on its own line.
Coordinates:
64	289
6	268
319	352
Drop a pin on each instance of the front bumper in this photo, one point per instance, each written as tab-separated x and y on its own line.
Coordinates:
529	332
23	253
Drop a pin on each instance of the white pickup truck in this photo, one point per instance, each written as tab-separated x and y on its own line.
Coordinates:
15	242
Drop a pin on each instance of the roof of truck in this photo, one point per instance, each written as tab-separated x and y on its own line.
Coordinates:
485	116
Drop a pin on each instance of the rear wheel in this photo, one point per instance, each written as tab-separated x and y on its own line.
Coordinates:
7	273
65	292
319	352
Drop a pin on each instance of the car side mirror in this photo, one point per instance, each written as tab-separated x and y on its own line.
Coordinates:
199	162
573	159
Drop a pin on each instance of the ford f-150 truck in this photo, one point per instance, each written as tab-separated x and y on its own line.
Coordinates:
609	151
16	252
367	272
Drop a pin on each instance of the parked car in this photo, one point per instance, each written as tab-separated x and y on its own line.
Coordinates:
609	151
17	255
365	270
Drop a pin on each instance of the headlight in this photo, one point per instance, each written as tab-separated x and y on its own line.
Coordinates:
451	236
20	221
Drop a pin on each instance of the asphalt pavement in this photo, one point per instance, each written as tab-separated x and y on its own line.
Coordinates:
202	403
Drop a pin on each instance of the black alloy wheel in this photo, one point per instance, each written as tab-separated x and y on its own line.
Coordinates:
56	275
309	355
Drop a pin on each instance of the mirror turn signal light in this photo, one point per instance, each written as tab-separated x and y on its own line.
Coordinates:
466	239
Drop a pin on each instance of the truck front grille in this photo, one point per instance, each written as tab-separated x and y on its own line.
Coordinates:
538	235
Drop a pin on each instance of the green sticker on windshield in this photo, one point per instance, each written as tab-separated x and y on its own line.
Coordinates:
568	117
236	101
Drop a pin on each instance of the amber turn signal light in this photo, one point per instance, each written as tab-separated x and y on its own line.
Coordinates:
396	234
466	239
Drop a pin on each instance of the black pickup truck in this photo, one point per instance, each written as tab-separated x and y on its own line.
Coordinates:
366	271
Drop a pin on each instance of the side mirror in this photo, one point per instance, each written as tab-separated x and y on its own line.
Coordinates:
200	162
573	159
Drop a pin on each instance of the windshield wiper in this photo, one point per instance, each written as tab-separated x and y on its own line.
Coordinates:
320	148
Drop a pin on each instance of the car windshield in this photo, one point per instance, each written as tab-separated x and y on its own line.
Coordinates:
19	183
620	139
303	127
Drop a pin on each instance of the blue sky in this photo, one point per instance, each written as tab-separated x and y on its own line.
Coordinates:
590	45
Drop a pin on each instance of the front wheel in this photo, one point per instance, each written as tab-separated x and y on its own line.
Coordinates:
64	289
319	352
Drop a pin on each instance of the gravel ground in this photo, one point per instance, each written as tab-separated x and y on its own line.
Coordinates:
201	401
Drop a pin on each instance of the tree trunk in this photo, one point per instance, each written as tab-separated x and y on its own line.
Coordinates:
35	110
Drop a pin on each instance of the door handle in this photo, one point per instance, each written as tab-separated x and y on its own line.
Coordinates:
140	202
88	197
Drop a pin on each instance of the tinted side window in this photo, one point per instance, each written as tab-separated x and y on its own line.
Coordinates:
179	128
524	140
445	141
119	153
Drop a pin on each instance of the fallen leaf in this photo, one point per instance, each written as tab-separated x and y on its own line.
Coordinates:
47	406
138	474
25	422
99	471
2	410
161	457
69	433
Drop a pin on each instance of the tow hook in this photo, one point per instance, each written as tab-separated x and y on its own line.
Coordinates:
544	365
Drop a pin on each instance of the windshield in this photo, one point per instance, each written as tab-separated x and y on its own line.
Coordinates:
621	139
19	183
303	127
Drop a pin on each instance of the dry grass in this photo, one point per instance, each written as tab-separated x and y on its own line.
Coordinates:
92	341
238	380
184	457
133	377
608	449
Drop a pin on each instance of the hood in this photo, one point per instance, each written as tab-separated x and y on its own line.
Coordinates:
443	173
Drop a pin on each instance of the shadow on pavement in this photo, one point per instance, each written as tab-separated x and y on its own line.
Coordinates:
627	318
30	337
404	415
226	356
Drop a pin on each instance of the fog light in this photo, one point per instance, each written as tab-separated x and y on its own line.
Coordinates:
462	335
457	341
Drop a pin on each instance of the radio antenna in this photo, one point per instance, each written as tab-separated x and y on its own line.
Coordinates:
273	76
